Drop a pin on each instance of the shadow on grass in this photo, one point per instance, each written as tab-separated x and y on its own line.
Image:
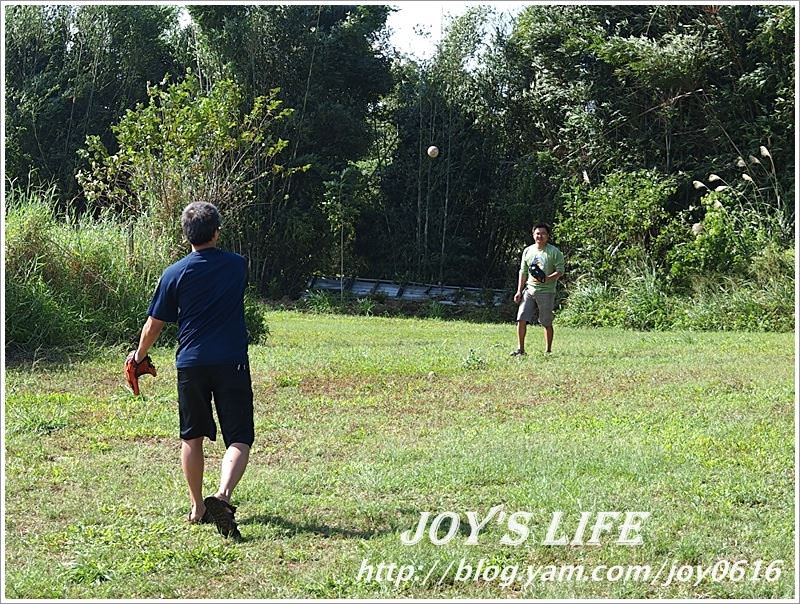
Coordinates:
401	309
47	359
59	358
295	528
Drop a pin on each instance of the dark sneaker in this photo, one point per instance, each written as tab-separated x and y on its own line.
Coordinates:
221	513
519	353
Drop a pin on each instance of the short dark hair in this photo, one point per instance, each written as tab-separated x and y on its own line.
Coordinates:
545	226
199	221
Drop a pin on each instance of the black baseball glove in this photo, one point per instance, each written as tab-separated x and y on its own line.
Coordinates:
536	271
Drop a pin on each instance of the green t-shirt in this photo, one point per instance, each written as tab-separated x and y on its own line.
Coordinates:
550	259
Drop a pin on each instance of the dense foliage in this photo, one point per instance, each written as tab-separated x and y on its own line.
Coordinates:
659	139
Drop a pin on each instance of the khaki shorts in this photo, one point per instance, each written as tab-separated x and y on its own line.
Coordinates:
537	307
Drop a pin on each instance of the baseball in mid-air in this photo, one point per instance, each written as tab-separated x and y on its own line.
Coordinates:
433	151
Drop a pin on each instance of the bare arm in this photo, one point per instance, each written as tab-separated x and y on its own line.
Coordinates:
150	332
520	286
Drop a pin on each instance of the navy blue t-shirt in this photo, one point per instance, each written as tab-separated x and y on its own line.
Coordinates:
204	293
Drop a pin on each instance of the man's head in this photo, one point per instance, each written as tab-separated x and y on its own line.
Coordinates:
541	233
200	221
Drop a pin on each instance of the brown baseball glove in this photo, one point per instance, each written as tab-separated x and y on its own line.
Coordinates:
134	370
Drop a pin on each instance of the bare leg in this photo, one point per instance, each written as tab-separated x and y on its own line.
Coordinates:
522	328
548	338
233	465
192	462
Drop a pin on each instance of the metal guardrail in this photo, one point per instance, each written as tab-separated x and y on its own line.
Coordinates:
410	292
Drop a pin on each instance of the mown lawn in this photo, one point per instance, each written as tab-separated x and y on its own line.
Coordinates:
364	423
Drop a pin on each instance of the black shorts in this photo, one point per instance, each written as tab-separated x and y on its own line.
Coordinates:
233	397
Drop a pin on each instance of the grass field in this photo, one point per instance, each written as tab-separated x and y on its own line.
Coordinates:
364	423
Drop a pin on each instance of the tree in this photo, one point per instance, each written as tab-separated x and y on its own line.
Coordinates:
187	144
71	71
329	65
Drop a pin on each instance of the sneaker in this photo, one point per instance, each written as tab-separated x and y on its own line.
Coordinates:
519	353
222	514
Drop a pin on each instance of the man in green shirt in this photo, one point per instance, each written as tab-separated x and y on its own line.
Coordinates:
541	266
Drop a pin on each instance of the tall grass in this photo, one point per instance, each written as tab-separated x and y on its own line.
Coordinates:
734	305
78	282
70	282
640	299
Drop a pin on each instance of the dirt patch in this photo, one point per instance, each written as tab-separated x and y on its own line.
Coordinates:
336	387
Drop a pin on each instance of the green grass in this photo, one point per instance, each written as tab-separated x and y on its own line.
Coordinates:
364	423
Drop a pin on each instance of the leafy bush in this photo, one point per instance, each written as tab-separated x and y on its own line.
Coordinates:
605	229
738	223
773	263
255	319
717	247
185	143
190	144
721	266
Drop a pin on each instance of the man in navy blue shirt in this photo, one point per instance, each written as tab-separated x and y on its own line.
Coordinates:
204	293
